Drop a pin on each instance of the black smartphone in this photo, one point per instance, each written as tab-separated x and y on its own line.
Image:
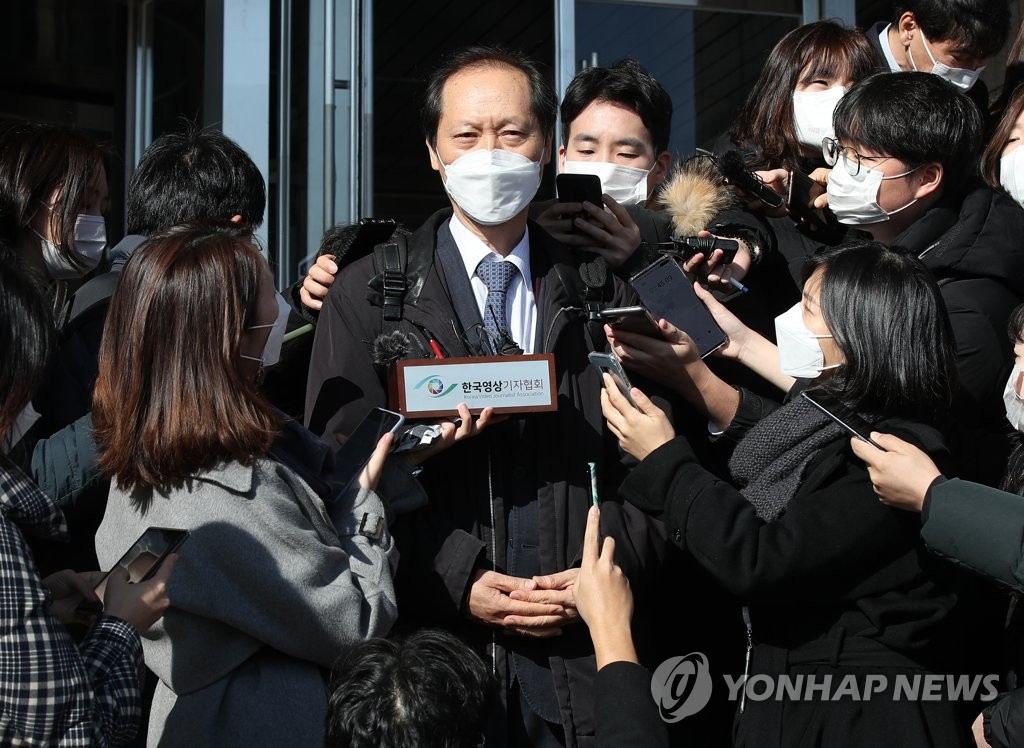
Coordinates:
353	455
841	414
632	319
666	291
802	192
579	188
609	362
142	560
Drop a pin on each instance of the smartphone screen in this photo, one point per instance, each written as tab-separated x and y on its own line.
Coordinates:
668	294
844	416
143	559
609	362
350	460
578	188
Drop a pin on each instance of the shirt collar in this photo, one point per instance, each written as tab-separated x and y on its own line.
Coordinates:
473	250
890	58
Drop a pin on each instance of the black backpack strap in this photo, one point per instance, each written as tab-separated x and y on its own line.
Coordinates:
391	258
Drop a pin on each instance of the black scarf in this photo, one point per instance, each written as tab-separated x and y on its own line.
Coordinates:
769	463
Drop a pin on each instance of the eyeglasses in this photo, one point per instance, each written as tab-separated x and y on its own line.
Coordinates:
831	151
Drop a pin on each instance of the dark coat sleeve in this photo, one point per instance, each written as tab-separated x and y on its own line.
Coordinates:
64	466
1004	720
343	383
624	711
823	541
343	386
978	527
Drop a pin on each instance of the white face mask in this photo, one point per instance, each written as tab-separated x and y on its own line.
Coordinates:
1011	174
962	78
626	185
854	200
88	244
272	348
1012	400
812	114
492	187
800	354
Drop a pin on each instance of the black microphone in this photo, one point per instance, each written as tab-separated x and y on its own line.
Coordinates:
389	347
736	173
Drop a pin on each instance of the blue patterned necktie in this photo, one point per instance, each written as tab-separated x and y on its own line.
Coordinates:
496	276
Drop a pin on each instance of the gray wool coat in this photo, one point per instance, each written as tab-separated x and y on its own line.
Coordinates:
268	591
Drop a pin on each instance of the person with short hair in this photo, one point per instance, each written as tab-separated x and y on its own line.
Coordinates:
492	556
280	575
954	39
428	689
904	171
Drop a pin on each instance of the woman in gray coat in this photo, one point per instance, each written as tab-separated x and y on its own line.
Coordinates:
273	583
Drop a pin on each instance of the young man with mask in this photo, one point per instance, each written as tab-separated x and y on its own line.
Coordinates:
616	123
494	555
904	170
954	39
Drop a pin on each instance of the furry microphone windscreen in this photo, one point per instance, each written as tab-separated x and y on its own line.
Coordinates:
389	347
694	195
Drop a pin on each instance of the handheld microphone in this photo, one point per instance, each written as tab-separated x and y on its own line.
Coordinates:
736	173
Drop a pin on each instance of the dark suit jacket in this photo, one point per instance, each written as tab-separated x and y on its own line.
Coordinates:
470	485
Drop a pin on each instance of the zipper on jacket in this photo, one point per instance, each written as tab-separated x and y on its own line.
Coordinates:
494	556
746	664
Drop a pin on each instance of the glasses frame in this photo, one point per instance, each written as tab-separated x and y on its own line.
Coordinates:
832	151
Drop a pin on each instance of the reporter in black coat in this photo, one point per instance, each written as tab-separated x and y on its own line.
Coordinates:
836	583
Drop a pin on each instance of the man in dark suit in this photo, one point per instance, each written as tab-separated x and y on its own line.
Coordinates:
495	555
954	40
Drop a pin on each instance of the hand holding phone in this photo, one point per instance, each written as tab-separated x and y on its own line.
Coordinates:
609	363
802	193
632	319
668	294
579	188
360	445
140	562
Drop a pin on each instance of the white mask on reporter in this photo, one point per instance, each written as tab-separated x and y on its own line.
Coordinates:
1012	400
1011	174
492	187
812	114
272	348
854	200
963	78
800	354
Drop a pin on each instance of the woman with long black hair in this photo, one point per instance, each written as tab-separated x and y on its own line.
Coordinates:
833	581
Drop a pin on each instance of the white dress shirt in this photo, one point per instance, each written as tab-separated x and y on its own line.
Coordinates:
890	58
520	306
